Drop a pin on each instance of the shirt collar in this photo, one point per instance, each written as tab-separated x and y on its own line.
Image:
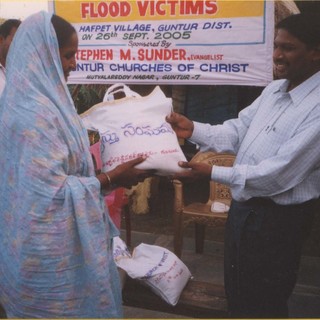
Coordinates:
300	92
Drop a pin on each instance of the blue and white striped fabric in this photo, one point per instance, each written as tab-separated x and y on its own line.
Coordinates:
276	140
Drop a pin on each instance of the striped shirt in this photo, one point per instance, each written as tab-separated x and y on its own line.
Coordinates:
276	140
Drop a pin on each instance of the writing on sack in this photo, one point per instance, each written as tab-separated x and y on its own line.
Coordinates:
130	130
124	158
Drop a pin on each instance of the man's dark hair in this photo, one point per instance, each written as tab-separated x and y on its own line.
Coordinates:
8	25
64	30
304	26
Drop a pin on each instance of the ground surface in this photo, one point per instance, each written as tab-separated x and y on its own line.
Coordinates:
159	219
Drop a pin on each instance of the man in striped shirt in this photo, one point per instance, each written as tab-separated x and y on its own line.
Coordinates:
275	181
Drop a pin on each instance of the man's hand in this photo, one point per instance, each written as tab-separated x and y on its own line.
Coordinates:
182	126
198	171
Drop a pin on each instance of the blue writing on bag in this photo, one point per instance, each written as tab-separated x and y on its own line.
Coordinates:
163	259
109	138
130	130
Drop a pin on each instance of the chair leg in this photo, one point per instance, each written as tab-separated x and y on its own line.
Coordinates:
200	230
127	219
178	234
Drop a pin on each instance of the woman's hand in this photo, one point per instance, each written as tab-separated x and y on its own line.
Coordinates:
182	126
126	175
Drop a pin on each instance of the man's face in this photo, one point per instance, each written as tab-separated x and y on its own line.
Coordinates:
5	44
292	59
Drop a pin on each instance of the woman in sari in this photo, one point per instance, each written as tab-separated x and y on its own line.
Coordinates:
56	235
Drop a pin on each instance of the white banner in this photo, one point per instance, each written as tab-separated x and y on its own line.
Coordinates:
172	41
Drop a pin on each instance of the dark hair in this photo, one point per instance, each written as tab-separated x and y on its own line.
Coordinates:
304	26
8	25
64	30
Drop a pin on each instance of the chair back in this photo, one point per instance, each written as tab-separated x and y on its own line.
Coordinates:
218	191
211	210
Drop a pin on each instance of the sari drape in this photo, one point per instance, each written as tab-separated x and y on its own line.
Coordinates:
56	235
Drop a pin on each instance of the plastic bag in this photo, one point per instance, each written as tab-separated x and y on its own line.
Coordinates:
156	267
133	126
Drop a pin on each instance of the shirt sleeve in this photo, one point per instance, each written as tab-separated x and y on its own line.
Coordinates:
226	137
296	160
294	163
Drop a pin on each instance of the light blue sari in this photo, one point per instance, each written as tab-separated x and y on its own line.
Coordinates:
55	245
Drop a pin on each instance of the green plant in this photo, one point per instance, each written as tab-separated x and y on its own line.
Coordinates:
87	95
